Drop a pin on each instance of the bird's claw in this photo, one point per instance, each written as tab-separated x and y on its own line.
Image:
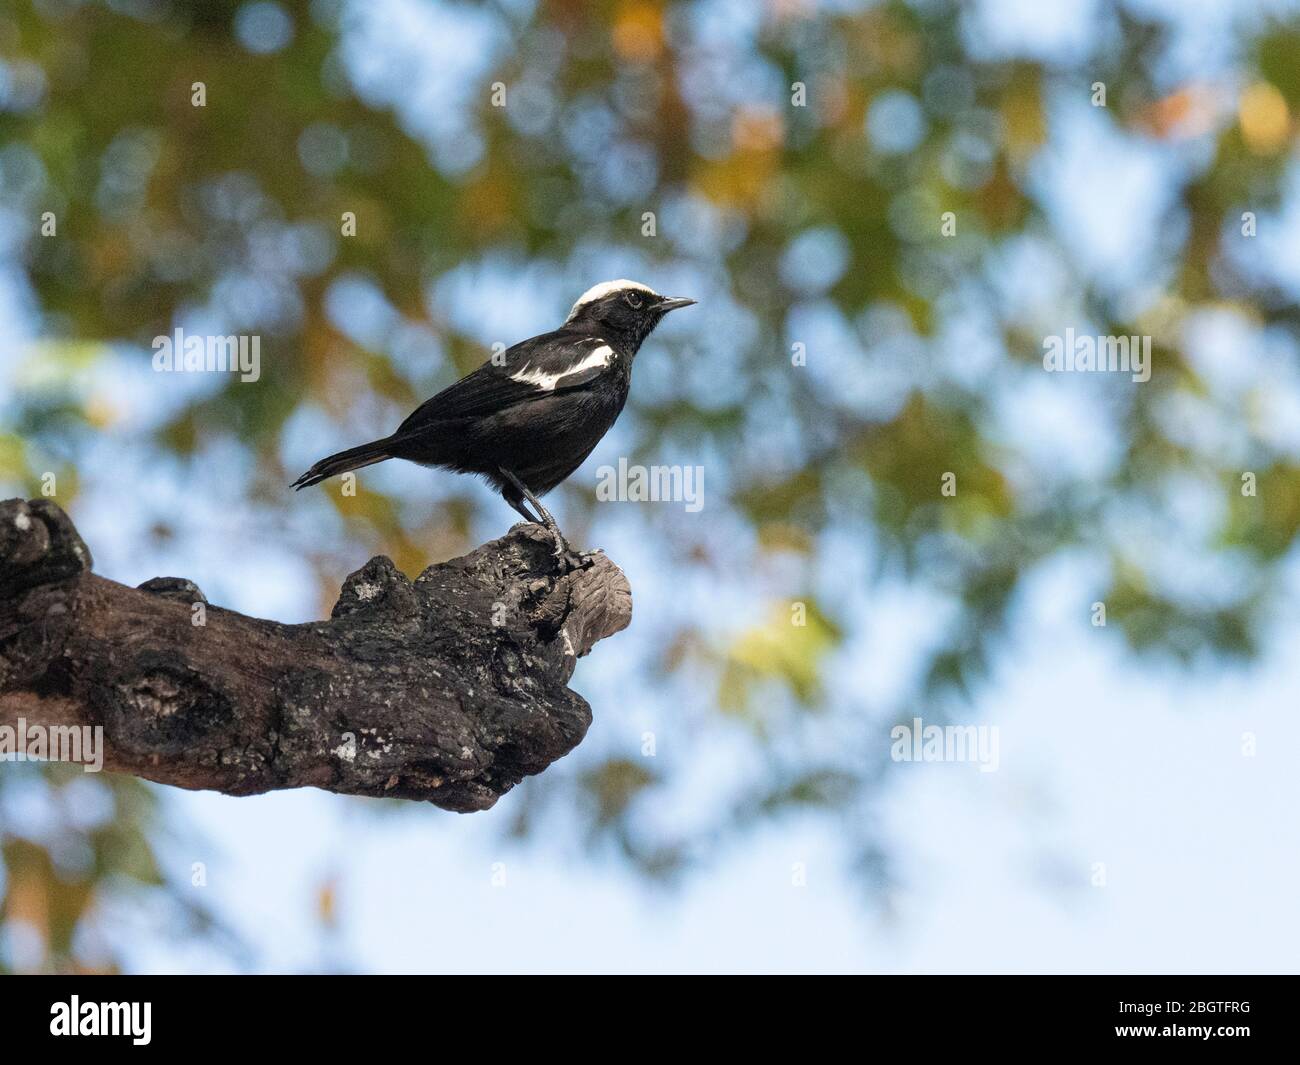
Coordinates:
568	559
576	560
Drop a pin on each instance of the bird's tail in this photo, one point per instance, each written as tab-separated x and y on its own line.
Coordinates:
351	459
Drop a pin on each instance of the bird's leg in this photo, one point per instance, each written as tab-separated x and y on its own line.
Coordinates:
517	503
565	555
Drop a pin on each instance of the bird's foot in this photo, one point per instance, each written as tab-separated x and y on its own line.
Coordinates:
576	560
565	557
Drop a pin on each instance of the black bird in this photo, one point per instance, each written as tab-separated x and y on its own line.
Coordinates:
527	419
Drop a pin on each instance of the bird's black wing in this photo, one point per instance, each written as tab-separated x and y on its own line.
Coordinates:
492	388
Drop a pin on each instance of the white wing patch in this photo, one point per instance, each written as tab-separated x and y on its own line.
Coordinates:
547	381
604	289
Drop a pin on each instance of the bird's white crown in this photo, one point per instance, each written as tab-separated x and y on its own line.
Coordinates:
604	289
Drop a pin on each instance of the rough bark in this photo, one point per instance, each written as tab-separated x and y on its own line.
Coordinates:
450	689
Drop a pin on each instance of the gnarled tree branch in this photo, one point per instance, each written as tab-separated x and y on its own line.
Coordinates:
450	689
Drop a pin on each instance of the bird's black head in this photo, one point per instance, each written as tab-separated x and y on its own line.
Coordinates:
623	308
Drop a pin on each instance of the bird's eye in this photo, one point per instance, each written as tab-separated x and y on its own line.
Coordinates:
633	300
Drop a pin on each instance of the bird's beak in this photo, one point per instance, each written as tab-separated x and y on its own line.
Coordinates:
671	303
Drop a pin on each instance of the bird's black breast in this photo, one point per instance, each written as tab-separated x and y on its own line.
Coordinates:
539	414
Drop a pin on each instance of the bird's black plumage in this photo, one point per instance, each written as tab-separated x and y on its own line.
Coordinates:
526	421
